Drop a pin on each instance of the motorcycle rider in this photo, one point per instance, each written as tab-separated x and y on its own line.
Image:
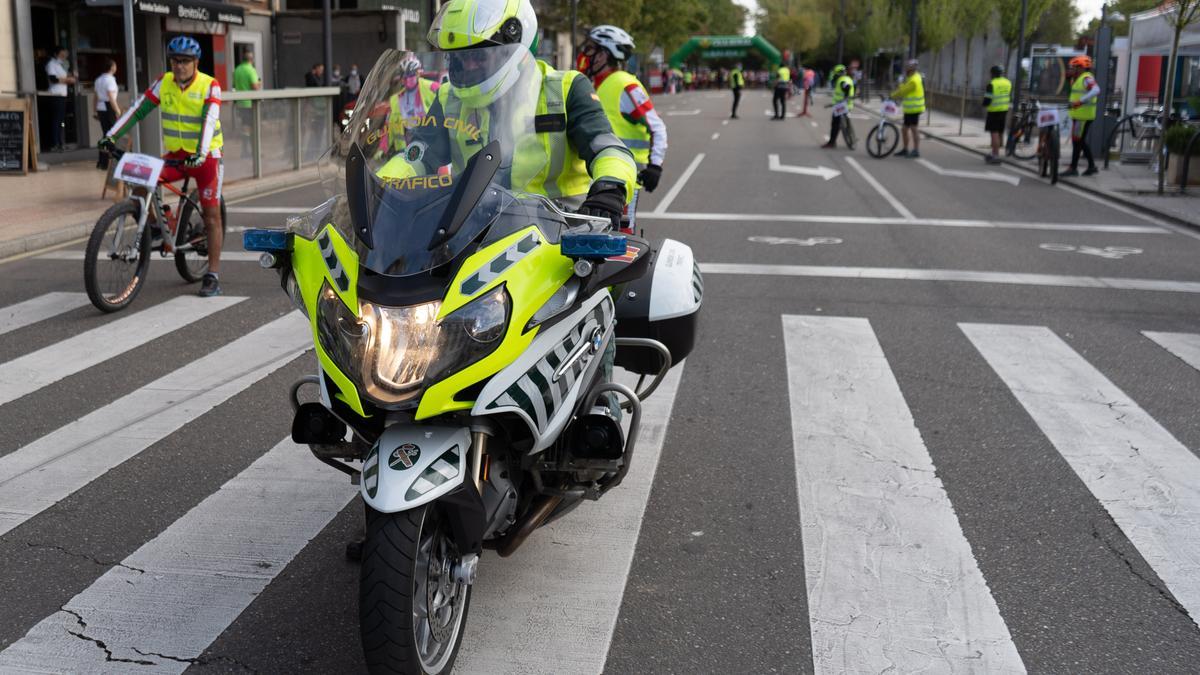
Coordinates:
598	174
626	101
190	103
413	101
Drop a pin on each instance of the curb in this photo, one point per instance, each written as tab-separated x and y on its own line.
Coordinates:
11	248
1169	217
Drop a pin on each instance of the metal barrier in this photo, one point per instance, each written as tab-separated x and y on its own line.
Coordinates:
280	130
1187	161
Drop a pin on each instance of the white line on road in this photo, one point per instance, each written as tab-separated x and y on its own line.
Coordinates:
1186	346
903	274
884	554
814	124
716	135
587	554
226	256
48	470
683	113
46	366
978	175
38	309
773	164
1147	480
932	222
265	209
724	123
678	186
170	599
905	213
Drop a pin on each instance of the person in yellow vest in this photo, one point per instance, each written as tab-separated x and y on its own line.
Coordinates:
190	104
997	99
911	95
578	160
412	101
625	100
783	87
1082	110
737	82
843	91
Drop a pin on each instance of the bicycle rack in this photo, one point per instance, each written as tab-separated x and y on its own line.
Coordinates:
1187	161
1127	156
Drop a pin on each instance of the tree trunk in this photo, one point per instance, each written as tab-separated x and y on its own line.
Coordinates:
1168	101
966	84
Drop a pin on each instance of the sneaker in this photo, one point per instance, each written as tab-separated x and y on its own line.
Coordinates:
1092	171
209	286
1068	173
902	153
914	154
829	146
993	159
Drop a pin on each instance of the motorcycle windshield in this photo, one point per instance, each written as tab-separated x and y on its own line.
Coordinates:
427	159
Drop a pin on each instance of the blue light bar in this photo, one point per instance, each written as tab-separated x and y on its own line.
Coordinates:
266	240
593	245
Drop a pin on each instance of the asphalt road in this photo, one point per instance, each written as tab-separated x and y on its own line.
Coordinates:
933	422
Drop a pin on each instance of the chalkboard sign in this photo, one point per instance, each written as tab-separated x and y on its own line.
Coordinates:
13	141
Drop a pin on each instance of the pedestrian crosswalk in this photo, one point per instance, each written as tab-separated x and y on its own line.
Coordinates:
892	578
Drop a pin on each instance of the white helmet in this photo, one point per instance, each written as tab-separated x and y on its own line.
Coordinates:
616	41
460	24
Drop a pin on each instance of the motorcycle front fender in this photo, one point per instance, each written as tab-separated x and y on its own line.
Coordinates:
414	465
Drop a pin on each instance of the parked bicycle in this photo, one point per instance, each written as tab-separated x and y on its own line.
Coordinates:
1049	147
882	140
118	250
1022	138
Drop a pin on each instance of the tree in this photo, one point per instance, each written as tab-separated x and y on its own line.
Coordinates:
1057	24
1179	15
790	24
938	23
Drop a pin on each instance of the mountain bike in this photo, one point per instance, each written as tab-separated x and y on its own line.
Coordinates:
1049	121
847	128
117	258
1023	136
882	140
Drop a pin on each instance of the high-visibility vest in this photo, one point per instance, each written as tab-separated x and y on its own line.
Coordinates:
1087	111
1001	95
634	135
784	74
183	114
914	101
737	80
549	167
839	95
396	117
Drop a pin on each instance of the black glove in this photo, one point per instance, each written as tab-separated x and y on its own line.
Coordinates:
606	199
195	161
107	143
650	176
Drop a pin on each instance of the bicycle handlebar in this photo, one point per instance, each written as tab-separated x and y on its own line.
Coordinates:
116	153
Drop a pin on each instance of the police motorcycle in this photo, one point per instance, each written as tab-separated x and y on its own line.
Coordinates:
465	333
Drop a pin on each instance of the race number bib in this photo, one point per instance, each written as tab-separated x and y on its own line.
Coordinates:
841	109
890	108
1048	117
138	169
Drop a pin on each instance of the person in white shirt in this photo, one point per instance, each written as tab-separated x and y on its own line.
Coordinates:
60	77
107	108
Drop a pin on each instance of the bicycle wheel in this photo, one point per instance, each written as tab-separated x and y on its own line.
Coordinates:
1023	144
115	265
193	263
882	140
848	133
1052	145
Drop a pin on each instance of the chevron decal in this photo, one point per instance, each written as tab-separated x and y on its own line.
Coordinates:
331	261
492	271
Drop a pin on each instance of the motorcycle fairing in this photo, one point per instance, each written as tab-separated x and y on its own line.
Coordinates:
543	386
394	478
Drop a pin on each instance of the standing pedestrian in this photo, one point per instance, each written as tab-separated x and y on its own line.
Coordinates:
997	101
315	77
1084	93
810	77
107	108
783	85
737	82
353	81
59	76
911	94
245	78
843	91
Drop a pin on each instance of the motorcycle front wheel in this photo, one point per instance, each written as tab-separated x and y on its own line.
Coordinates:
411	611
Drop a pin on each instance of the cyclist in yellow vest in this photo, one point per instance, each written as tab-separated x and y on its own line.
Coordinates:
593	170
997	99
190	104
911	95
737	82
625	100
413	100
843	91
783	87
1084	93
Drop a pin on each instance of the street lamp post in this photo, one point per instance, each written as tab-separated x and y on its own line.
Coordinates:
912	35
1017	80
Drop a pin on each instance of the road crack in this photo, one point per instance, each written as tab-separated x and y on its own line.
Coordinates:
1166	595
108	655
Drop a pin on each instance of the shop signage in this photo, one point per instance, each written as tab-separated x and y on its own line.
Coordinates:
194	10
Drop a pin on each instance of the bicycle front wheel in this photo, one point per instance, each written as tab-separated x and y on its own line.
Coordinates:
1023	144
191	247
1053	154
848	133
116	261
882	141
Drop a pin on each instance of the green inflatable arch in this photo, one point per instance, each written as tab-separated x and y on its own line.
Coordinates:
723	46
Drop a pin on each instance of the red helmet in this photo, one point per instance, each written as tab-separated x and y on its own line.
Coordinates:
1082	61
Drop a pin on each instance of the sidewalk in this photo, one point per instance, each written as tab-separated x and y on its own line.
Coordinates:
1130	184
62	204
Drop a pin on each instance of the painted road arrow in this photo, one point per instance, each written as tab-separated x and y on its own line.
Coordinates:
979	175
822	171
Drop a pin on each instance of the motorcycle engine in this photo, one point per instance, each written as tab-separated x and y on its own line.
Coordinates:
499	499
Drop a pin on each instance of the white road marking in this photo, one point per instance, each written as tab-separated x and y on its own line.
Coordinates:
932	222
892	582
807	241
978	175
48	470
904	274
1186	346
716	135
226	256
39	309
266	209
814	124
1109	252
586	555
683	113
724	123
46	366
170	599
1147	480
825	172
677	187
905	213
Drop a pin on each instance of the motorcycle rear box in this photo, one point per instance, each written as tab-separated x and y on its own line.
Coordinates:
663	305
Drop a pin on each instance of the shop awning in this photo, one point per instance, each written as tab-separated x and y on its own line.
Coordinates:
194	10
